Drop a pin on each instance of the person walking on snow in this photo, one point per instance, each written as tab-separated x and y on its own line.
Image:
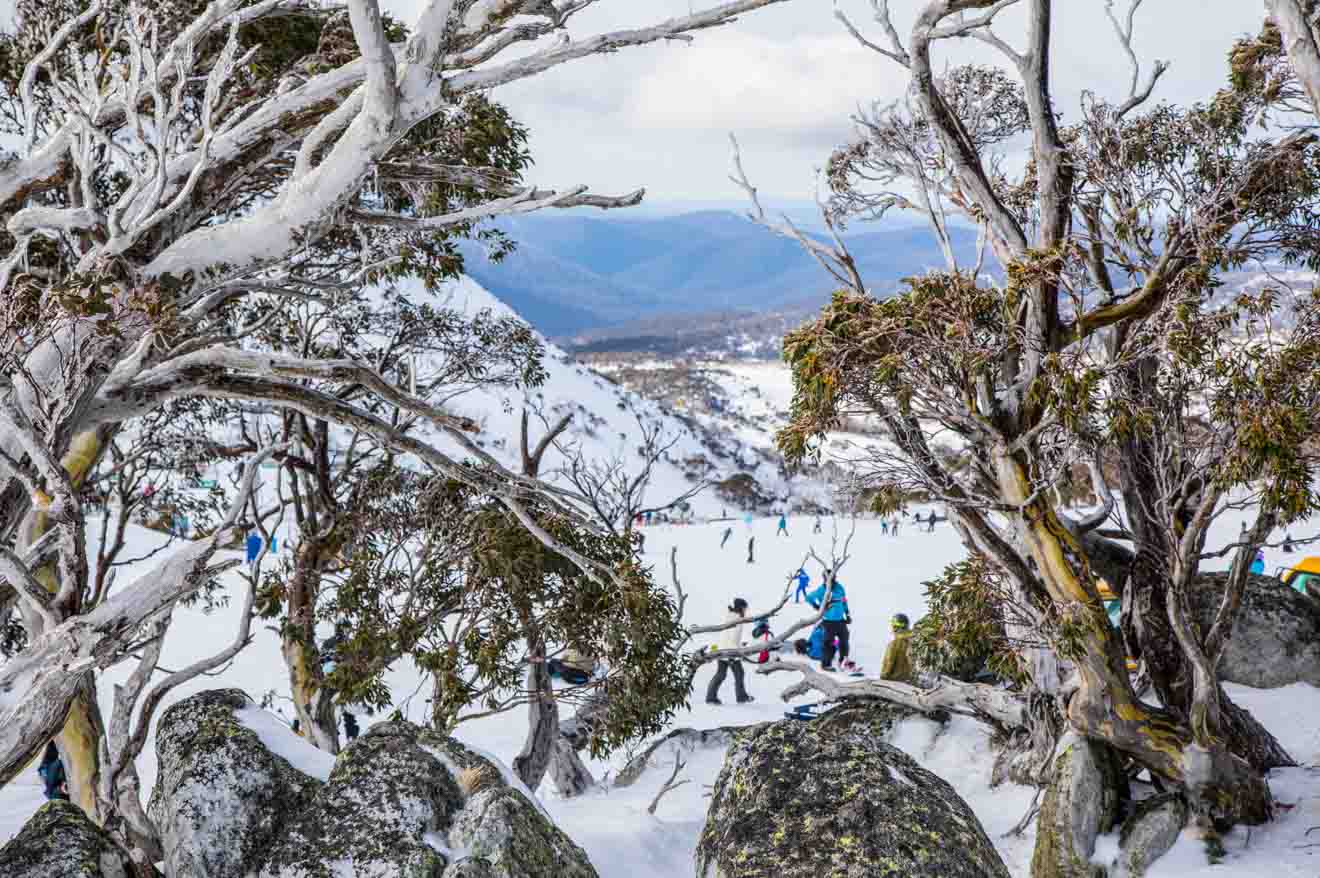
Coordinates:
751	546
898	660
884	526
731	638
835	621
783	525
803	581
893	528
728	532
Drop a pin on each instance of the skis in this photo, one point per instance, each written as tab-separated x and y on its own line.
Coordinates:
805	712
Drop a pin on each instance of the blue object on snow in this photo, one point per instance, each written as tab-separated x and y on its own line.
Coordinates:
274	545
816	646
253	547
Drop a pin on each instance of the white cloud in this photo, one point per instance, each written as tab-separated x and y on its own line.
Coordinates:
785	79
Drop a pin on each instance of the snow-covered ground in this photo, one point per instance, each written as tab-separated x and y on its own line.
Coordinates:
884	576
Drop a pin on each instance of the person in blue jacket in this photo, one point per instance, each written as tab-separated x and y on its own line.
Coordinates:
51	772
835	620
803	581
1258	564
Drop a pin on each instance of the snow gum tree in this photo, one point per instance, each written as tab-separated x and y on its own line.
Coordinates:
175	163
1110	337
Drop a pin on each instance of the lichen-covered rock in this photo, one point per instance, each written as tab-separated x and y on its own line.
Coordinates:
1082	802
59	840
1149	832
386	795
500	828
221	797
830	797
1276	638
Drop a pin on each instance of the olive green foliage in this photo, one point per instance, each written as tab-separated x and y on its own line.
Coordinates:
963	628
440	573
1032	375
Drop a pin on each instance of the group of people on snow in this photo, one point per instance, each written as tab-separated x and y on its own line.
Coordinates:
830	639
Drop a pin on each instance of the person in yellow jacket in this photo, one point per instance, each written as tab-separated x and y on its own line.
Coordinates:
898	661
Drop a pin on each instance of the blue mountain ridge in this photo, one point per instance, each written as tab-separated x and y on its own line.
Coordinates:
574	272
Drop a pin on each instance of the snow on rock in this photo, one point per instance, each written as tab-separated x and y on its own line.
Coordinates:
372	816
830	797
60	841
402	800
279	739
221	795
1081	804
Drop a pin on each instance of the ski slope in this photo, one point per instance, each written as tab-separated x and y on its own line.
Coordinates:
883	576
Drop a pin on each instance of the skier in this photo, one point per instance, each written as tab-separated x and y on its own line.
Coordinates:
835	620
817	528
884	526
783	525
803	580
1287	544
648	519
893	528
1258	564
931	529
747	520
898	662
728	532
751	544
730	639
51	771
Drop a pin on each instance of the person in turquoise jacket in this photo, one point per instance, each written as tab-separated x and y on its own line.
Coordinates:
835	620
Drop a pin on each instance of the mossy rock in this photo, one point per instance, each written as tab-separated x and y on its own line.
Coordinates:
385	796
221	797
1276	636
1083	801
59	840
1150	831
830	797
502	831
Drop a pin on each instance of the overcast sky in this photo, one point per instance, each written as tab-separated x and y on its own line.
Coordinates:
785	80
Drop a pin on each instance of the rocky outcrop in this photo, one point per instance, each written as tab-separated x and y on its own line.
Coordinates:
373	817
1149	832
501	828
221	797
830	797
1083	801
59	840
400	801
1276	638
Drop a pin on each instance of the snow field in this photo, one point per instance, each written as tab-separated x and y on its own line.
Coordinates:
883	576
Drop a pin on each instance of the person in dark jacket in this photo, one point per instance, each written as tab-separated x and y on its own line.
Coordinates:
728	532
835	621
329	658
51	771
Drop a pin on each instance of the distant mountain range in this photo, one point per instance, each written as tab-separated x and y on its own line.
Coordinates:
575	273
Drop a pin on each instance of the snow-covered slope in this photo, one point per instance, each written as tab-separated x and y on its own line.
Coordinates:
605	421
884	576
